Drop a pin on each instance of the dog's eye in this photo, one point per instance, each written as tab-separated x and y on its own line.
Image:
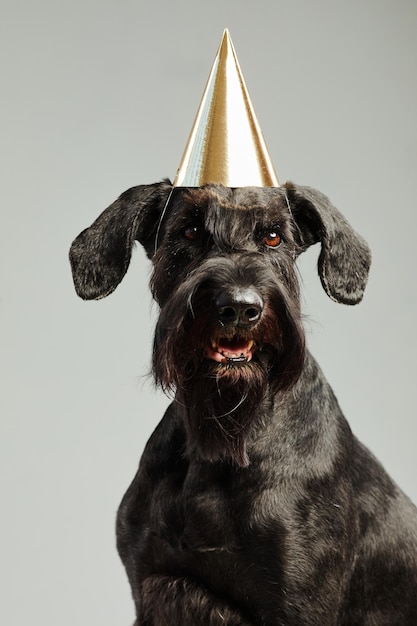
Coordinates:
192	232
272	239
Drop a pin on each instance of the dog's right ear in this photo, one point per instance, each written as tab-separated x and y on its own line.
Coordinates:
100	255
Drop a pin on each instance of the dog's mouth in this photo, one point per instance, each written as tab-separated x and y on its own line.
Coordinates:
234	350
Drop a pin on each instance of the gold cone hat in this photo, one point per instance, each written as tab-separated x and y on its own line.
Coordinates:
226	144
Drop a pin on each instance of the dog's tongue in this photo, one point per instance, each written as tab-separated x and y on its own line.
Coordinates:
233	350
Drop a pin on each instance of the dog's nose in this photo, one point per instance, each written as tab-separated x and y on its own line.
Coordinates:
239	308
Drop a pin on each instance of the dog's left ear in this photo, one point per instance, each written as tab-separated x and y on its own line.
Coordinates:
345	256
100	255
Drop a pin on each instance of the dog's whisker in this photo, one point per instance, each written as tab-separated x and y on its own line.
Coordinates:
229	412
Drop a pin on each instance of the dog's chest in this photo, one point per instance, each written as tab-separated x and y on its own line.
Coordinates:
209	523
212	511
200	517
209	532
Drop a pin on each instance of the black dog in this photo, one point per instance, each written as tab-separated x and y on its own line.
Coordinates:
254	504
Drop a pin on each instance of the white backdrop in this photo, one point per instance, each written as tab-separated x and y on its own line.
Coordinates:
100	95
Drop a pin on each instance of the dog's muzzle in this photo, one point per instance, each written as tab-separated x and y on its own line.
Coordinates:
237	311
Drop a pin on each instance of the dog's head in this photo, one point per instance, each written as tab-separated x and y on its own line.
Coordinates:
223	274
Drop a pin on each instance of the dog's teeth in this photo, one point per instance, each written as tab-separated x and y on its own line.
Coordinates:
225	353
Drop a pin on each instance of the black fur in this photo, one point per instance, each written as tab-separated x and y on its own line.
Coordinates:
253	504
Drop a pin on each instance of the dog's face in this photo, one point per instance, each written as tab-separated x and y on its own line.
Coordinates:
224	276
229	335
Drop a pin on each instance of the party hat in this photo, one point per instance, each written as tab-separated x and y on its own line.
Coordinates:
226	144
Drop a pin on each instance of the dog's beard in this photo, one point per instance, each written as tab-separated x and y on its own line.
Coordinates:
222	407
223	402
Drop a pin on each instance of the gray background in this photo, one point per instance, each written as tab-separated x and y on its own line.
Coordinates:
100	95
